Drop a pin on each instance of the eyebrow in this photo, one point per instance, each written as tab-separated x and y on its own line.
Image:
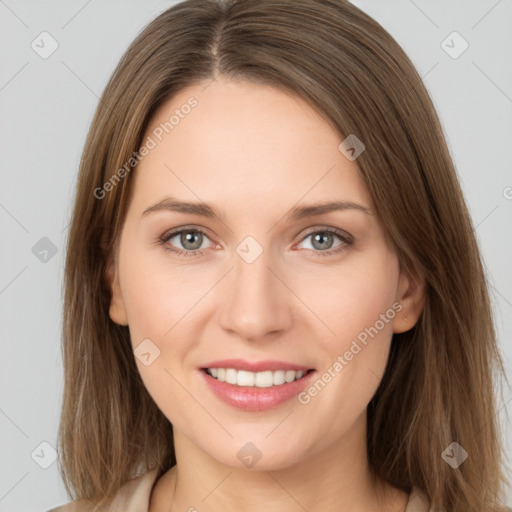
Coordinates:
294	214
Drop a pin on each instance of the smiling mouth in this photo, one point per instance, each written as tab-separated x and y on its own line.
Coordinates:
265	379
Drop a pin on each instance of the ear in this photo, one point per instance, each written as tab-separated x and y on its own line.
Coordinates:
117	310
411	294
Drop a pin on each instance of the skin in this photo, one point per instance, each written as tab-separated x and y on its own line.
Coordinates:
254	152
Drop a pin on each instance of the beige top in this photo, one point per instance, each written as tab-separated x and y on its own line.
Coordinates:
134	497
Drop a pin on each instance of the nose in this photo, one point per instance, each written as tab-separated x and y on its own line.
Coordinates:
256	303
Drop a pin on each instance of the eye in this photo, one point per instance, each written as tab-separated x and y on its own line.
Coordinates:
322	240
191	239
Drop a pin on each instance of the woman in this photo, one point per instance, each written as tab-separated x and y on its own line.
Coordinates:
274	296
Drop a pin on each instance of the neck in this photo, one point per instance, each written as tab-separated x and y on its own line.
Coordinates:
334	479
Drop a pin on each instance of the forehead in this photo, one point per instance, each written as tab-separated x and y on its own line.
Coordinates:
244	144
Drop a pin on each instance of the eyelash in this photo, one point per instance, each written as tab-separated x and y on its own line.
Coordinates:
346	239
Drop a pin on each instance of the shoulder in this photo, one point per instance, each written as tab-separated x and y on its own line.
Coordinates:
132	497
75	506
418	501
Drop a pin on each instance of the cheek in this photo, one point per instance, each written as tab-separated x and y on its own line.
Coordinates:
157	301
162	303
148	304
352	300
359	306
157	295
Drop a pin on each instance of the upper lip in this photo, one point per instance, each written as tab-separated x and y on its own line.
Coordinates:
255	366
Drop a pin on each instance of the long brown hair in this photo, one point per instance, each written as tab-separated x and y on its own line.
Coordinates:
440	383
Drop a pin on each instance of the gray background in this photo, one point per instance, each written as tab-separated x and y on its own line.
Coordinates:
46	107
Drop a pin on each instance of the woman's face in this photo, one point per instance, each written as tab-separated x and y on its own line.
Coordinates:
264	280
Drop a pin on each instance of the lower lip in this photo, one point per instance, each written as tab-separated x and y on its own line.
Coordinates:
251	398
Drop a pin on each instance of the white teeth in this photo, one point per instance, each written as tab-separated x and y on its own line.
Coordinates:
244	378
231	376
278	377
259	379
264	379
290	376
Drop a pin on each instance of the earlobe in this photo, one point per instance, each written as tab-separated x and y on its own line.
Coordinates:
117	310
411	295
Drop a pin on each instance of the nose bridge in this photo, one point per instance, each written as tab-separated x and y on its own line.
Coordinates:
256	302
